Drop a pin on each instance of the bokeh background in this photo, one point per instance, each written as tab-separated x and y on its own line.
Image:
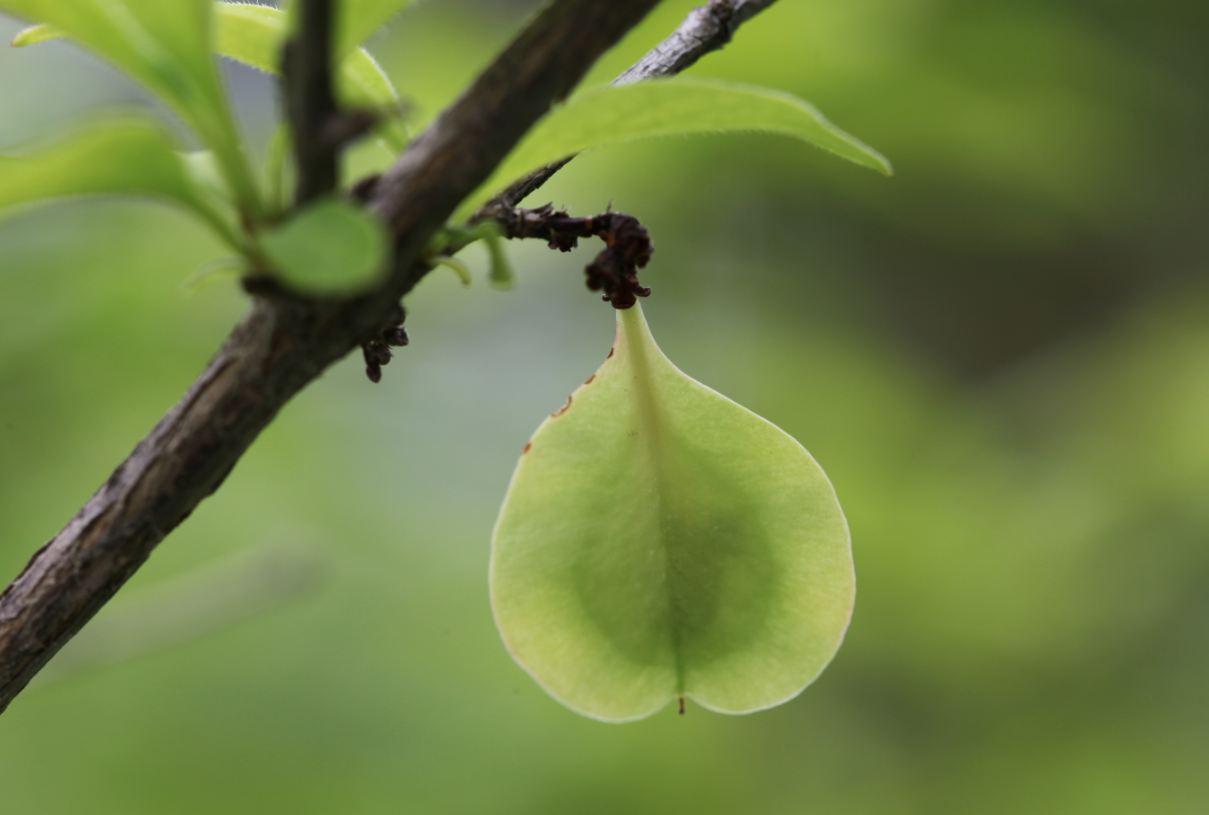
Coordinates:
1000	356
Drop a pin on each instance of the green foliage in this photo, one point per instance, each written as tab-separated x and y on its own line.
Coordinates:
254	35
132	156
359	19
330	248
670	107
658	540
35	34
204	173
166	46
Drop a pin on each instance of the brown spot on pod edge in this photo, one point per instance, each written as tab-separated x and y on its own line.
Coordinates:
528	444
590	378
562	409
611	350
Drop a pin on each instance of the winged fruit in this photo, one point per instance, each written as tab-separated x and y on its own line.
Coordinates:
660	541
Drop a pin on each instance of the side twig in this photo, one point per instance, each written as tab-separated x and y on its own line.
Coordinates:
310	101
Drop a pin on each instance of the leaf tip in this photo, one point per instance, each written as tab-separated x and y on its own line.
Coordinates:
872	159
34	34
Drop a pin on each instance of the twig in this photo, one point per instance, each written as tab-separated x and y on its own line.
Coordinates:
707	28
310	101
282	344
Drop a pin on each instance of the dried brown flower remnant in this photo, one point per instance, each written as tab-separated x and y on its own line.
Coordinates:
377	349
627	249
615	270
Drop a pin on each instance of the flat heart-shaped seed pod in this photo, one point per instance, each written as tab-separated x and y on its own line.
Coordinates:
659	541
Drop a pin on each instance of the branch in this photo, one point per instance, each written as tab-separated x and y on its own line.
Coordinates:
707	28
284	342
310	101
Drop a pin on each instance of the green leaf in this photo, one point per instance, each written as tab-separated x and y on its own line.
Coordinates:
166	46
669	107
254	35
359	19
202	168
130	156
279	172
35	34
330	248
659	540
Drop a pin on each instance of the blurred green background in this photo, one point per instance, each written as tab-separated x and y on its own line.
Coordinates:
1000	356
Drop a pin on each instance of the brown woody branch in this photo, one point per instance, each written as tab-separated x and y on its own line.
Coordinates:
310	101
707	28
284	342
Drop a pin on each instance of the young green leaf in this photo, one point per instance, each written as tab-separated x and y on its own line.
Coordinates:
660	541
132	156
166	46
669	107
254	35
330	248
278	171
202	168
35	34
359	19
